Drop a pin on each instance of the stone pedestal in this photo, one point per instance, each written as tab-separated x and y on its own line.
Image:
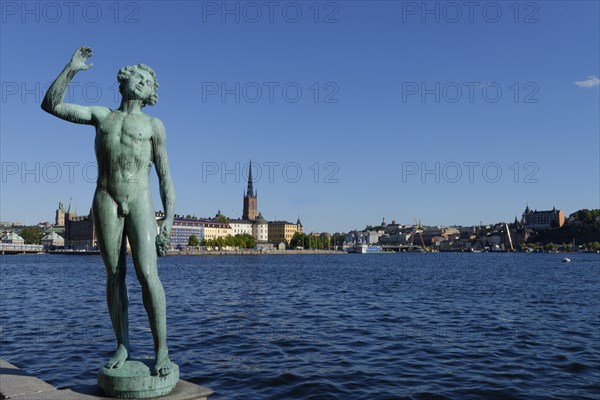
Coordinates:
134	380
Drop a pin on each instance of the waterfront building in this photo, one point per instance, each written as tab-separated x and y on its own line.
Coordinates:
267	247
80	233
364	237
451	231
59	222
241	226
374	236
12	238
397	239
281	231
538	220
215	229
519	235
429	233
182	229
392	228
207	229
299	227
260	229
52	240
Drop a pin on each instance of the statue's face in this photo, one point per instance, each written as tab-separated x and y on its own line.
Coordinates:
139	85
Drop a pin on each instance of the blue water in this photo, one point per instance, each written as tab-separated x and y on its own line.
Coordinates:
376	326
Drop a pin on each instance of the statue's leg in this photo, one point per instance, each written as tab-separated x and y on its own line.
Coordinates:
141	230
112	243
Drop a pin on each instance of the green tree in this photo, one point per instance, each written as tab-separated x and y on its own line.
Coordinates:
300	240
315	242
32	234
245	240
585	215
338	239
550	247
193	241
229	241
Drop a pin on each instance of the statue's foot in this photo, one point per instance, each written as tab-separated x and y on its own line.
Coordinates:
162	366
119	358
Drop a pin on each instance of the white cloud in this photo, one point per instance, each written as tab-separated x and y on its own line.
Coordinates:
591	81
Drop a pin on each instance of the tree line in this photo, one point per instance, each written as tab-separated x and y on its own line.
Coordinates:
310	241
243	240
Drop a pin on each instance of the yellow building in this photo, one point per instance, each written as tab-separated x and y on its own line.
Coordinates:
216	230
282	231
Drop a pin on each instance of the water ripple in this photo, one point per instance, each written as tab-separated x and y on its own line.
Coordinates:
401	326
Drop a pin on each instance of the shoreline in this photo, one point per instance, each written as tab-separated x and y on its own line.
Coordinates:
174	253
332	252
249	252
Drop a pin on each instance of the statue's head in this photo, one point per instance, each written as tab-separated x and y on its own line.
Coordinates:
138	82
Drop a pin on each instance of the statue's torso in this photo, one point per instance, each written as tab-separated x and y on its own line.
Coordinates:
124	153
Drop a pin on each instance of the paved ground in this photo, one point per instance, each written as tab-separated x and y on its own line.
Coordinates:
19	385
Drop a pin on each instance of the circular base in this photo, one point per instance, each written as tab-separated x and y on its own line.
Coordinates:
134	380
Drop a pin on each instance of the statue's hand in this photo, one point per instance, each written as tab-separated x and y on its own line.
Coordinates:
162	245
79	58
165	227
162	239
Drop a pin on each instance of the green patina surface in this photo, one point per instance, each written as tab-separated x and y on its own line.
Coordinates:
127	144
134	380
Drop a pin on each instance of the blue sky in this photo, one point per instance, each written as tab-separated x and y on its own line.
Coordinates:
448	112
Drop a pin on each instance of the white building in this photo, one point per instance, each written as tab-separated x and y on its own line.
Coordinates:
240	226
13	238
260	229
53	239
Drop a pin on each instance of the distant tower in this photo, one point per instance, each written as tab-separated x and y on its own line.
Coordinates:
60	215
299	226
525	216
250	199
70	214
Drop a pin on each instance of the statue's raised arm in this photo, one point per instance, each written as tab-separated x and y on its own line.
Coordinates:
53	102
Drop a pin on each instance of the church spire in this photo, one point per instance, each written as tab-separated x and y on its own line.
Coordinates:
250	200
250	191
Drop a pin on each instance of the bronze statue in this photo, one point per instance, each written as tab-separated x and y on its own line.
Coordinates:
127	143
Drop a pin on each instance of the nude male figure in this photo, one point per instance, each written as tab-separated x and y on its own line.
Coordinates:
127	143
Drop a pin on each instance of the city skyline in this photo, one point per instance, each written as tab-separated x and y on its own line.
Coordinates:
353	111
384	220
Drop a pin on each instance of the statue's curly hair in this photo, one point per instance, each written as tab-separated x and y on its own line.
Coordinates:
126	72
